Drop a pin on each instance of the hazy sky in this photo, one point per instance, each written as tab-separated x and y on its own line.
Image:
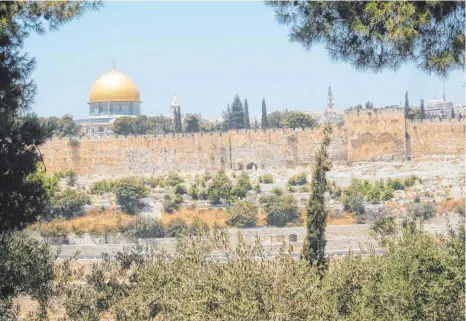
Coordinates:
206	52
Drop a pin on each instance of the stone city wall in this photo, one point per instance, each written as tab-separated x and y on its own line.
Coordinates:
368	135
430	138
240	149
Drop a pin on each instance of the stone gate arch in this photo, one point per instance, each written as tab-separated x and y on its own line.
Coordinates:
252	166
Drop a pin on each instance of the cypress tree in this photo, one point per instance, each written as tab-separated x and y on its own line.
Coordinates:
237	114
247	123
255	124
178	125
423	111
265	122
226	118
453	113
406	104
314	244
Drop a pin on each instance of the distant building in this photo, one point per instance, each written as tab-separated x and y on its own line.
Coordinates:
438	108
459	110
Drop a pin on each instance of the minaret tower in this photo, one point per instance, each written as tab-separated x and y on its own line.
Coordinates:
174	106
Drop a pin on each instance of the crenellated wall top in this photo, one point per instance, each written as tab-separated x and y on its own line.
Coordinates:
366	111
231	133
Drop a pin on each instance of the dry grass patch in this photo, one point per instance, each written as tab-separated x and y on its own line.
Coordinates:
449	206
210	216
347	219
94	222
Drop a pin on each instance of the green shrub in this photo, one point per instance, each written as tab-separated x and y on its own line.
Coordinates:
153	181
396	184
144	228
103	186
280	210
174	179
129	192
171	204
298	179
387	194
220	188
277	191
460	210
175	228
306	188
257	188
411	180
266	179
67	204
290	188
74	142
243	185
334	190
194	192
355	204
425	211
69	175
203	194
384	225
198	227
180	189
371	192
207	176
200	180
243	214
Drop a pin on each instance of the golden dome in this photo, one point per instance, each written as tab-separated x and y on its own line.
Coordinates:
114	86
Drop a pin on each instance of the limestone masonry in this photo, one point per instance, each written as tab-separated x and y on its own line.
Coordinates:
367	135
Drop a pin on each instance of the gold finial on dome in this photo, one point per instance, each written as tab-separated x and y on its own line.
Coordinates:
114	86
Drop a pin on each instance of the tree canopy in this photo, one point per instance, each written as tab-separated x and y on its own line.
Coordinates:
191	122
375	35
21	198
290	119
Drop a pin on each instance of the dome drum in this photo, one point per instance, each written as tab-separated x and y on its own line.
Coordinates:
115	108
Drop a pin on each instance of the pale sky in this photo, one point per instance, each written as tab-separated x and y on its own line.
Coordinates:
206	52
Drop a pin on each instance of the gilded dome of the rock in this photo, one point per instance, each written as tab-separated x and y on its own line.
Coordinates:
114	86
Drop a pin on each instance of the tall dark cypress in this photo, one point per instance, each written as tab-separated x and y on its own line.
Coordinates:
237	114
423	111
314	243
178	124
265	122
247	123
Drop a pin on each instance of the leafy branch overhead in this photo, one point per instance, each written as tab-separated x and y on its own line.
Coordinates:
374	35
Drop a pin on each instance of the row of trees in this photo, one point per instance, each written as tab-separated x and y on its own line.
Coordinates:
64	126
142	125
236	116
